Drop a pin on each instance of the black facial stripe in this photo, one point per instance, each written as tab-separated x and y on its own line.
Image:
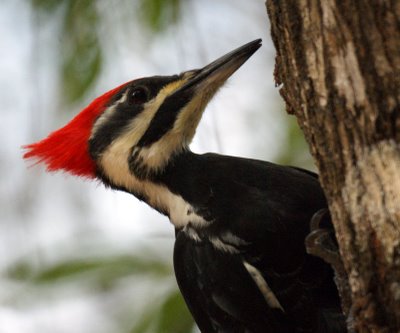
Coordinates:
137	165
153	83
165	117
112	127
124	113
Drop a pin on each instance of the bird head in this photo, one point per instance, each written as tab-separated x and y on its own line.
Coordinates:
136	129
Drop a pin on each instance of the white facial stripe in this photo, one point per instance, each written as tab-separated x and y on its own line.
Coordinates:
114	162
156	156
268	294
179	137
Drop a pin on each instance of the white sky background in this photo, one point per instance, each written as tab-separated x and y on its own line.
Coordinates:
46	217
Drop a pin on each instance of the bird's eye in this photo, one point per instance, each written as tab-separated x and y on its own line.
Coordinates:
138	95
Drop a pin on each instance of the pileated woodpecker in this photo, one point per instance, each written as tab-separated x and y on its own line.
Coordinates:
239	256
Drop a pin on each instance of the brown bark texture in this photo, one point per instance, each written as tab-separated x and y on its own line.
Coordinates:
338	70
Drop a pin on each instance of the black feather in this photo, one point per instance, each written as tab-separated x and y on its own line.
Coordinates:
269	208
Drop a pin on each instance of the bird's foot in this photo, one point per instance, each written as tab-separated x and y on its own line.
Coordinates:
321	242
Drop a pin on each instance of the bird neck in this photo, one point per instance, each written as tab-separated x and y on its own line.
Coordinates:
160	191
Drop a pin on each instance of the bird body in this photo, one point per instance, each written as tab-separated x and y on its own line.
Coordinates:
245	259
239	257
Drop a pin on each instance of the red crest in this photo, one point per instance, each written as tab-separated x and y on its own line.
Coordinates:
67	149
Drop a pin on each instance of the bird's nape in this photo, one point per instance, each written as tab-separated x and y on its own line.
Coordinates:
66	149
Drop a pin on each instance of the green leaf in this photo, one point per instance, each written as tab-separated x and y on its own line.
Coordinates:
145	322
171	317
81	54
46	6
80	69
159	14
296	151
20	271
174	316
105	270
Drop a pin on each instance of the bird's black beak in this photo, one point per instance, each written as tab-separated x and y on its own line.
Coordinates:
184	101
217	72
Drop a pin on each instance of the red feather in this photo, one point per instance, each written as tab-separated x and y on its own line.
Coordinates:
67	148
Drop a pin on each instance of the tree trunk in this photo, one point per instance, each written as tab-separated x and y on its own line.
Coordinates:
338	68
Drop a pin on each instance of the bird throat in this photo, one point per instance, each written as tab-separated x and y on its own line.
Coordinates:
118	172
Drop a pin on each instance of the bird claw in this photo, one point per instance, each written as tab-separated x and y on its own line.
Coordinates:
321	241
317	219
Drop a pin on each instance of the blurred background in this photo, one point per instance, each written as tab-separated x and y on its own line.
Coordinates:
76	257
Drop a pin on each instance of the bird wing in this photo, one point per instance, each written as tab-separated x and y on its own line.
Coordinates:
249	267
271	218
219	291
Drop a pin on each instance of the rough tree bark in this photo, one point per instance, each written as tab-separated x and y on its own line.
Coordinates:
338	68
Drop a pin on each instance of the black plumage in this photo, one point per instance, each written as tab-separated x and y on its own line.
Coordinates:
270	207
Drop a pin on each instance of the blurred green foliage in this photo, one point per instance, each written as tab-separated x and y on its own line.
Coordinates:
101	274
296	151
80	55
82	60
104	270
47	6
171	316
157	15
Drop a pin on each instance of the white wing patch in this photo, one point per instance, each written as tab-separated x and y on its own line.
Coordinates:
192	233
220	245
227	242
269	296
